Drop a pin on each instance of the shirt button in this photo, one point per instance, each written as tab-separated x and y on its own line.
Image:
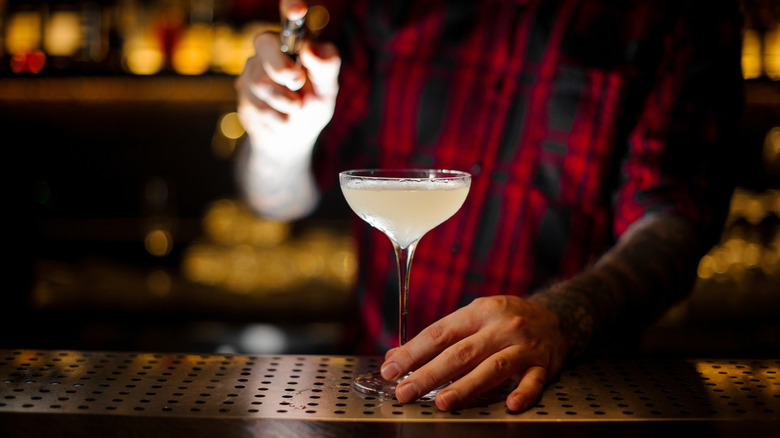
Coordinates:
455	247
476	168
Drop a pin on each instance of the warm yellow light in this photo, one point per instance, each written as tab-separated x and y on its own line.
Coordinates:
775	206
772	53
230	222
344	266
752	255
192	55
720	260
309	265
23	33
204	264
751	54
219	221
754	211
706	267
158	242
230	126
317	18
143	54
227	51
772	151
63	34
770	263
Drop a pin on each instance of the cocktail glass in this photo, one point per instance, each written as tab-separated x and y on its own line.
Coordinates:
404	204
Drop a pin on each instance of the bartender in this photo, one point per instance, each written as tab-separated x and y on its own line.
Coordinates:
597	133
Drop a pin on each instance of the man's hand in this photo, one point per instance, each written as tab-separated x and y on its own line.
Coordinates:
283	105
501	337
479	347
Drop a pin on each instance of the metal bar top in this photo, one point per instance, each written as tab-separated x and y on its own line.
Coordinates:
44	392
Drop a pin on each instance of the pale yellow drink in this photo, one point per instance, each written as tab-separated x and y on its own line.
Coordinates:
404	204
405	210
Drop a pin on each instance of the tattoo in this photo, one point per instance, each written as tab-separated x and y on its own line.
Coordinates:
650	268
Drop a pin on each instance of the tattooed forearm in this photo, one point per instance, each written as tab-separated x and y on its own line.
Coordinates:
650	268
282	189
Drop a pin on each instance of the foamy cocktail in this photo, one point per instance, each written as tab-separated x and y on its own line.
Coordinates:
404	204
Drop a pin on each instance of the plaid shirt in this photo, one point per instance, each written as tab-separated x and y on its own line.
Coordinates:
575	118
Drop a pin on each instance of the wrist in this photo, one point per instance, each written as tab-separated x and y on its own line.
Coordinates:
280	150
576	323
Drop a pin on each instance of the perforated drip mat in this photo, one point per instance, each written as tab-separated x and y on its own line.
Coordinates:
319	388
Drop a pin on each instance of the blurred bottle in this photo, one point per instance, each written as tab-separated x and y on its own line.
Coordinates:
23	34
62	35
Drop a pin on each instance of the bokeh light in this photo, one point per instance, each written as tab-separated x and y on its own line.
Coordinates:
751	54
772	53
230	126
158	242
142	54
63	33
23	32
192	55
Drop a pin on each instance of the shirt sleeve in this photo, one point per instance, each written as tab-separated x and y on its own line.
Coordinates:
680	152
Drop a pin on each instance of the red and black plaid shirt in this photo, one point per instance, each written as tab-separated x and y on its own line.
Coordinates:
575	118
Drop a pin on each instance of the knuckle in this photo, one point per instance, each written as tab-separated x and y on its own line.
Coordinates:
441	336
463	353
514	323
497	303
538	381
266	38
502	366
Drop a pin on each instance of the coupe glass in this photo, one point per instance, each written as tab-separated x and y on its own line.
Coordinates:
404	204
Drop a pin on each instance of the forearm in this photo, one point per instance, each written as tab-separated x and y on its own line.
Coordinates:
277	186
650	268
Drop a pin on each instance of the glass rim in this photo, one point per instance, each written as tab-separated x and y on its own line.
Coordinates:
405	173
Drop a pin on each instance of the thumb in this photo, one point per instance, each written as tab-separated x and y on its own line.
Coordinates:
322	61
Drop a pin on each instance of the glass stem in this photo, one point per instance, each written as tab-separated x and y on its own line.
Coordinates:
404	258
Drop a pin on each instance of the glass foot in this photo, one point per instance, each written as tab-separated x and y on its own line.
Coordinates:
374	384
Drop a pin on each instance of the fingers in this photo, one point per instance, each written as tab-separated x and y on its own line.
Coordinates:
434	339
279	67
448	349
490	373
470	355
528	391
292	9
477	348
322	63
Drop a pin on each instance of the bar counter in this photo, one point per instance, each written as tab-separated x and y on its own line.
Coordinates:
47	393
